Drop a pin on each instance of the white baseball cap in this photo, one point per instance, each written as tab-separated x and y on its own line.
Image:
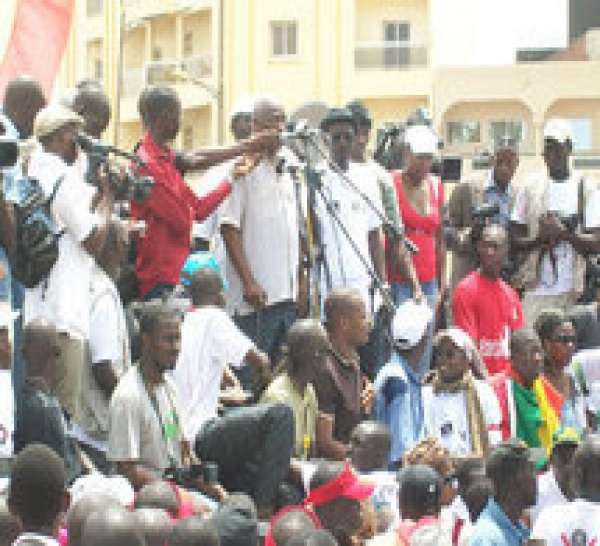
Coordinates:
410	323
243	105
559	130
421	140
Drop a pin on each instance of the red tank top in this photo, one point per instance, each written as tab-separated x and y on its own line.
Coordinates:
421	230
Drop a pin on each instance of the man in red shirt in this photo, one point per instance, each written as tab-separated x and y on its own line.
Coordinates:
486	307
172	206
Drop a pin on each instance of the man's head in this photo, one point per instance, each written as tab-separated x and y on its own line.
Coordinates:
160	335
160	109
336	495
505	161
236	521
421	146
586	469
363	123
206	287
268	116
80	511
291	523
113	256
346	316
527	355
155	525
467	472
513	474
241	118
37	494
565	442
113	525
477	496
92	104
160	495
23	99
558	336
339	127
453	354
194	531
558	145
307	348
41	350
370	444
492	249
420	492
56	129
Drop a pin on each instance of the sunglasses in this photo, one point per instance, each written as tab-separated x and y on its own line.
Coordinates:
565	339
342	136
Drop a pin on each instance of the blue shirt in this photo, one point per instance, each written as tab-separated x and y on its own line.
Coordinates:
399	405
493	528
495	196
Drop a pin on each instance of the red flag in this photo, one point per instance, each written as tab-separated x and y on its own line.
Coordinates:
37	41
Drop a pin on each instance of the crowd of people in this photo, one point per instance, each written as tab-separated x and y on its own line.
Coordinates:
296	351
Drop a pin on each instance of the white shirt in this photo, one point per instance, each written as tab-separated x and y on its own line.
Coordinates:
445	417
562	197
569	521
64	298
209	341
7	414
263	207
343	267
34	538
549	494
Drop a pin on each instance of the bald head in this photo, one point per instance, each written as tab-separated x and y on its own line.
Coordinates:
155	525
23	99
268	116
112	526
295	523
341	302
370	444
586	464
194	531
158	495
80	512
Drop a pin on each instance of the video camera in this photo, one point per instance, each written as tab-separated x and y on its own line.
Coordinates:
126	185
207	473
9	152
485	211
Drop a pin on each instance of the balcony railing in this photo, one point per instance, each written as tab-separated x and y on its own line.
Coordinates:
169	71
383	55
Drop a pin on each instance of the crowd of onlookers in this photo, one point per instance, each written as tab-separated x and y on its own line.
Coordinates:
299	350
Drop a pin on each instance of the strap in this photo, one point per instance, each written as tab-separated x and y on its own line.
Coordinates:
57	185
581	203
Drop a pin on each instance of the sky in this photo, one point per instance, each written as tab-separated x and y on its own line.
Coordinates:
490	31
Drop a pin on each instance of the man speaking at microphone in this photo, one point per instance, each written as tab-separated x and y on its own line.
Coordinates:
260	228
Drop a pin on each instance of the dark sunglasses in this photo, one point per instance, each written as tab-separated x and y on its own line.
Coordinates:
566	339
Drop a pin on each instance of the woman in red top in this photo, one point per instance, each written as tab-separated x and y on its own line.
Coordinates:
420	199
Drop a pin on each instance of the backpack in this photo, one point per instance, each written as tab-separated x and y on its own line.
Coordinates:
36	249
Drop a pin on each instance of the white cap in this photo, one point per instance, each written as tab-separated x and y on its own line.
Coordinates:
52	118
421	140
410	323
559	130
243	105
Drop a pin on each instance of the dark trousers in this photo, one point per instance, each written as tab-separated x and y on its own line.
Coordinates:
252	447
268	329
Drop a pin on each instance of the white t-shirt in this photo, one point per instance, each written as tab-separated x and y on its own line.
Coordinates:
445	417
385	494
343	266
7	414
575	523
209	341
562	197
549	494
64	299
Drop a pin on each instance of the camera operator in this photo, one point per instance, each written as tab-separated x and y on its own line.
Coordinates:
473	203
63	298
23	99
92	104
172	206
555	224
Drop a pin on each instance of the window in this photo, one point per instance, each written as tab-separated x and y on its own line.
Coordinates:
461	132
508	128
188	138
284	36
188	44
582	134
396	37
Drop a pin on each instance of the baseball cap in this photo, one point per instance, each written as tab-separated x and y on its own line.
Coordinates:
559	130
566	436
410	323
50	119
243	105
197	261
421	140
347	485
421	484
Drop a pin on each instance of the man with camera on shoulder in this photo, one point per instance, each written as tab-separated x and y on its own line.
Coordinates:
479	201
555	224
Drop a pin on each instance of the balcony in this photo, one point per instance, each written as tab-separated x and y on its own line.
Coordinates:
382	55
382	68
